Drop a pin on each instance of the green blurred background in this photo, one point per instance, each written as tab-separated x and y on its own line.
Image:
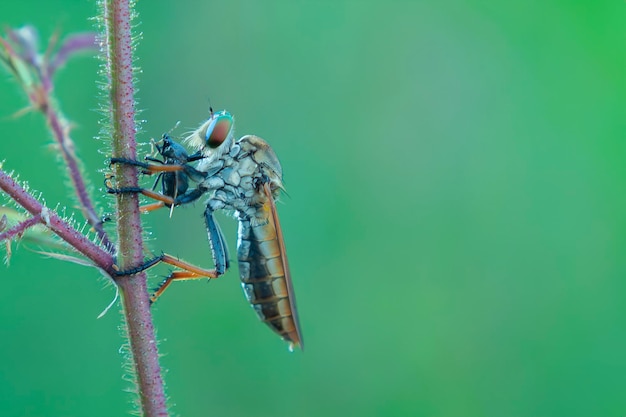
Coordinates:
455	220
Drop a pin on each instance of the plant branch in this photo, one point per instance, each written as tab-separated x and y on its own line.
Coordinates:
34	71
20	228
60	130
119	66
99	257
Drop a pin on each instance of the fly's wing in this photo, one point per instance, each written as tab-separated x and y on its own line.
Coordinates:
273	218
264	270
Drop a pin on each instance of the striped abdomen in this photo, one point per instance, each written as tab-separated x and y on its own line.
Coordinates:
265	276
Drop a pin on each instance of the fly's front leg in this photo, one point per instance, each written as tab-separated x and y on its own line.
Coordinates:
185	198
151	169
162	170
147	168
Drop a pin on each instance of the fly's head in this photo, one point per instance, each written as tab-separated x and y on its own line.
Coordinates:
215	136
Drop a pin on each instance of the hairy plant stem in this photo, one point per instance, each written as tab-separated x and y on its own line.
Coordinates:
58	127
78	241
34	71
119	67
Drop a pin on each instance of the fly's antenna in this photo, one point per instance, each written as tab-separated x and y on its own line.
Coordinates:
211	112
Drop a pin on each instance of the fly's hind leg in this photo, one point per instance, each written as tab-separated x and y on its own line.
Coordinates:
219	250
187	272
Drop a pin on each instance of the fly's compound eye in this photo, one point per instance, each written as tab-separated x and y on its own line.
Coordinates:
218	130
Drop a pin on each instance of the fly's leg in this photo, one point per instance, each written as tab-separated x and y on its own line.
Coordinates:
188	271
169	174
146	208
161	178
151	169
219	250
161	170
162	199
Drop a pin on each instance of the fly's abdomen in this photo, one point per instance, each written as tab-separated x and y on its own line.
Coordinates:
264	278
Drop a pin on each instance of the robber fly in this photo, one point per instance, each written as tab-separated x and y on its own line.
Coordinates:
242	175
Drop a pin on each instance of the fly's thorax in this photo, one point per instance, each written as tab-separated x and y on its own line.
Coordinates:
247	207
236	171
243	198
240	177
210	165
265	157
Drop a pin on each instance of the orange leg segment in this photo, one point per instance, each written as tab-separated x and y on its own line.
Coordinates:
149	168
146	208
188	271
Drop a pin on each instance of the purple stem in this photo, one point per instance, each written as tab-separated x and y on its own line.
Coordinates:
119	60
60	227
20	227
27	40
71	45
62	137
